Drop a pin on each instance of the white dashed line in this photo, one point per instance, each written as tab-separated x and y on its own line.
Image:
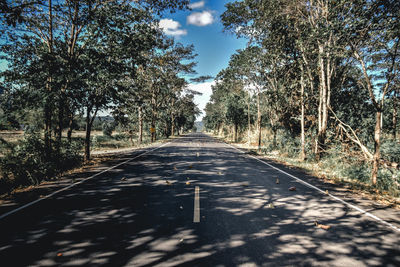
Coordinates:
196	215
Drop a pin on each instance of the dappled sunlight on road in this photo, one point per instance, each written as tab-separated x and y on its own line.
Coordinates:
132	216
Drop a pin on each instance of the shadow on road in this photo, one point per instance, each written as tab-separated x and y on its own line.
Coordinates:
132	216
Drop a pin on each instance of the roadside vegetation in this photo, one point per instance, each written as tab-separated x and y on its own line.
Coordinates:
69	61
318	85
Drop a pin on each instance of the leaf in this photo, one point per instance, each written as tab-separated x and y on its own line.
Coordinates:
322	226
292	188
277	181
59	254
190	166
123	179
175	168
168	182
187	183
271	206
219	173
327	192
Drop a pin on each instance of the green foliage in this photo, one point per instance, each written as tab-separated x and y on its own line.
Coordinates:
27	164
391	150
108	128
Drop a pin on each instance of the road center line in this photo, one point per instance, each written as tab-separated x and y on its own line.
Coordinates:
196	215
74	184
323	192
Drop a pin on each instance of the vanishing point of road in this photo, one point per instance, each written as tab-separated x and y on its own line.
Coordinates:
196	201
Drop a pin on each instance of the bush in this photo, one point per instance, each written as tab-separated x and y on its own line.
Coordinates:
390	150
108	128
121	137
29	164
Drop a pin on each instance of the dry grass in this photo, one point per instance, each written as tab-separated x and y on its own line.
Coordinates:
317	169
12	136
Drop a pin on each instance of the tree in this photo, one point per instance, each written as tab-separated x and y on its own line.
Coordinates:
374	39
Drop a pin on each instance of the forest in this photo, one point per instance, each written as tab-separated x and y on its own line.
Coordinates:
318	83
69	61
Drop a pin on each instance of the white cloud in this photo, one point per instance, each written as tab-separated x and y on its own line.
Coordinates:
195	5
171	27
200	18
201	100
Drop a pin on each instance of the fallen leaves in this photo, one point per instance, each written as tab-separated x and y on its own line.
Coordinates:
168	182
277	181
59	254
123	179
271	206
327	192
292	188
187	183
219	173
175	168
322	226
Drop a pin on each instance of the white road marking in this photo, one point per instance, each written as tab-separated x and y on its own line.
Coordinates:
324	192
196	215
74	184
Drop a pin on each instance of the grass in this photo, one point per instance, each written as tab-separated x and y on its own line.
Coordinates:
335	167
103	149
100	142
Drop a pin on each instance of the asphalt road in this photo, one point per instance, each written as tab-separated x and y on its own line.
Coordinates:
146	213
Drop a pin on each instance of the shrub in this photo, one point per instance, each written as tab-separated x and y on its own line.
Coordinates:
29	164
108	128
390	150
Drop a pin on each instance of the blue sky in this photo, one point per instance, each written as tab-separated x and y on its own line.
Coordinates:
202	27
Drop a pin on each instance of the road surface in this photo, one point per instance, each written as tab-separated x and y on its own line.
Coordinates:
195	202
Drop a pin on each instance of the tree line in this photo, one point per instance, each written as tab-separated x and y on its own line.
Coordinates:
76	58
72	59
323	73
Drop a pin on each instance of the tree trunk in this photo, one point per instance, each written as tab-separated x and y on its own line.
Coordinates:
89	123
235	131
377	146
140	116
87	136
258	121
274	132
153	130
49	86
153	117
248	120
395	117
70	125
323	103
172	124
303	139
